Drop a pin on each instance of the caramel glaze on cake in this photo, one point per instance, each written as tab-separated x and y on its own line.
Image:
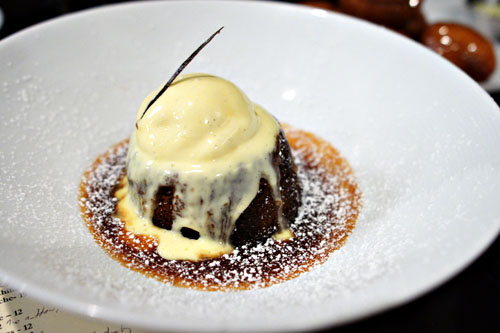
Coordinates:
330	205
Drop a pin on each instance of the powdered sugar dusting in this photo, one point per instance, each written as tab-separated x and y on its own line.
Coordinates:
331	202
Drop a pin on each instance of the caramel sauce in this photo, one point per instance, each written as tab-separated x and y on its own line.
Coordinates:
332	205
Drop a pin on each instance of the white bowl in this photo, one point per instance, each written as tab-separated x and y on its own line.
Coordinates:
422	137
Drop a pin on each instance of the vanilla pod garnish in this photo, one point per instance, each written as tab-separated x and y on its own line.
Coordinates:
179	70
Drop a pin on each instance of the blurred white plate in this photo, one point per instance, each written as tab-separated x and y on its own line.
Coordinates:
423	139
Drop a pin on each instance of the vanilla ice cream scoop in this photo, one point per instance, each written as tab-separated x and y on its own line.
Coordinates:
198	119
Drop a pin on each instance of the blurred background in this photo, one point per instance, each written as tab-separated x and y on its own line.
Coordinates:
466	32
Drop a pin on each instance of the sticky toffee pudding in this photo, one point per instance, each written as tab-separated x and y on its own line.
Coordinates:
211	192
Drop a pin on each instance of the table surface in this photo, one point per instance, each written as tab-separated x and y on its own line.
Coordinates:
468	302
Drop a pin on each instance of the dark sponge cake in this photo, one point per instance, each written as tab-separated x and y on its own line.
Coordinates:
261	219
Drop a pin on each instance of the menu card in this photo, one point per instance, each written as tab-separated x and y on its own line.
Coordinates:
20	314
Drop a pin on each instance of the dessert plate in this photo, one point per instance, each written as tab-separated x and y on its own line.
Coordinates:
421	136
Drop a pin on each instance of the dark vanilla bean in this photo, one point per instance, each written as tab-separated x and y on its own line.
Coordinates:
179	70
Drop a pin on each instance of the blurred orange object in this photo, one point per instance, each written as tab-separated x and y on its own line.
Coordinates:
463	46
323	4
403	16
